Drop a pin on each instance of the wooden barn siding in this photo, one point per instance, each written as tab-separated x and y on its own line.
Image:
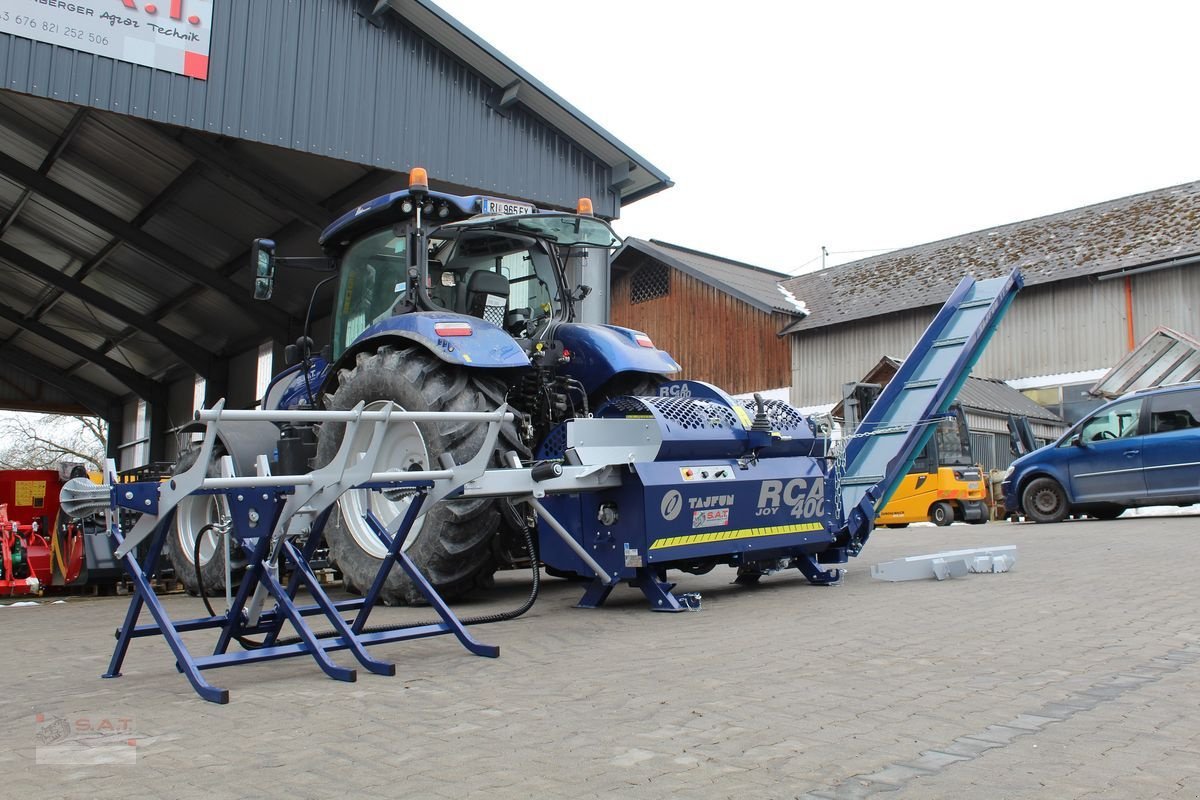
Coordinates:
714	337
1067	326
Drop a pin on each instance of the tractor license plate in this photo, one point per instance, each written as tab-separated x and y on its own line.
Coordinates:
507	208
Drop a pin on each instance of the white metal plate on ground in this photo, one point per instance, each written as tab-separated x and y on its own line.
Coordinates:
950	564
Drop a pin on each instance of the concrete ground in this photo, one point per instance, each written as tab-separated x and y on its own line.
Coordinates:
1076	675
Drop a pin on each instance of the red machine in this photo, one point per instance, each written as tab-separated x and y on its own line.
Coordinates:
35	551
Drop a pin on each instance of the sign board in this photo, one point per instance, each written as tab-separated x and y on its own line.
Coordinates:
29	493
171	35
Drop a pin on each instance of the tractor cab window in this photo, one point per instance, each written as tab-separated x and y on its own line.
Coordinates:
1116	422
507	280
373	278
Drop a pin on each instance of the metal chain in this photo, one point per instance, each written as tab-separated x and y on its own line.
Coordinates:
838	452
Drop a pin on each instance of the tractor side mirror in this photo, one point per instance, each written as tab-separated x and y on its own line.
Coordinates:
262	261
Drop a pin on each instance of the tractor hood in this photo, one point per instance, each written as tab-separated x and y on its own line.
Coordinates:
598	352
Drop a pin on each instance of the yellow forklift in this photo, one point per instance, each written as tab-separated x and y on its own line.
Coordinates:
943	485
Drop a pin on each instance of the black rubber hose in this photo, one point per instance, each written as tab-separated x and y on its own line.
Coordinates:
249	644
506	508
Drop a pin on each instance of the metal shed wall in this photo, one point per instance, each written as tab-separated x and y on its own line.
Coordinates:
1066	326
316	76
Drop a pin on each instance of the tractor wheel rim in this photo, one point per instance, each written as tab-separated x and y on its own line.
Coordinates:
194	512
403	449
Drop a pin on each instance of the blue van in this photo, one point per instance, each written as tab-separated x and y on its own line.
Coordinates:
1142	449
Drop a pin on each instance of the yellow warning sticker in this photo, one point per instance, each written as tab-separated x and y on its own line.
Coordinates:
744	533
29	493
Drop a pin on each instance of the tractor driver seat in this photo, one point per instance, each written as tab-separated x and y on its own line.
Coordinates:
487	296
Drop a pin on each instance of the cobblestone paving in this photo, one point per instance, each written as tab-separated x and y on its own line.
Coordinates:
1076	675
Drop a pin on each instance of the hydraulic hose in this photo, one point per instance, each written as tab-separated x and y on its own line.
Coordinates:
506	509
244	641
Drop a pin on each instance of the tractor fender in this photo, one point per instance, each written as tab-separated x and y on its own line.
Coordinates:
290	388
244	441
487	346
598	352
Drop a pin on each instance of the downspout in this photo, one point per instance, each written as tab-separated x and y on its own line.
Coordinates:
1129	313
1128	274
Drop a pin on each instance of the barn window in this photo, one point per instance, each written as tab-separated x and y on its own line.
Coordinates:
650	282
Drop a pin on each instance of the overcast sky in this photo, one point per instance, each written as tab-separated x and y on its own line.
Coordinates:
867	126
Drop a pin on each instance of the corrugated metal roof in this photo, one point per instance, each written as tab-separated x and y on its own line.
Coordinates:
986	395
1127	233
1163	358
634	176
997	397
125	241
317	76
754	285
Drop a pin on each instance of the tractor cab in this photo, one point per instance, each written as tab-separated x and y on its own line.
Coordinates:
505	270
500	261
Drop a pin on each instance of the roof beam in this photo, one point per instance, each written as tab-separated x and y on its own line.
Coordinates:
266	184
194	356
372	11
143	386
95	399
347	194
153	207
351	192
64	139
274	317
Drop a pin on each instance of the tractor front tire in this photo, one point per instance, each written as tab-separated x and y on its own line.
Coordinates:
452	547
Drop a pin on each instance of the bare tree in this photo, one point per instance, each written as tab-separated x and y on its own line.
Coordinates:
41	441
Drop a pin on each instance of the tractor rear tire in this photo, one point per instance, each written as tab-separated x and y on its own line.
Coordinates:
452	547
191	515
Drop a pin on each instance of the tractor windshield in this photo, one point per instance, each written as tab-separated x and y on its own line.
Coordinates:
506	279
564	230
373	279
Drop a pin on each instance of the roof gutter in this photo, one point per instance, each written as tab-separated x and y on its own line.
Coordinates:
444	29
1174	262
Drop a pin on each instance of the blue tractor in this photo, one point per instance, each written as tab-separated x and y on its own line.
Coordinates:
444	303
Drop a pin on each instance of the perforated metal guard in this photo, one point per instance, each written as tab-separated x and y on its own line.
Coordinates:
683	412
555	444
782	416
